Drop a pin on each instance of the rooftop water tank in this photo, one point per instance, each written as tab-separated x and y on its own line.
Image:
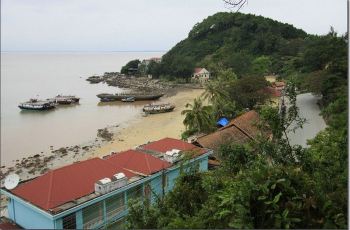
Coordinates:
103	186
172	155
119	180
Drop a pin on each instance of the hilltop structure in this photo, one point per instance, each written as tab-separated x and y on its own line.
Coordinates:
201	74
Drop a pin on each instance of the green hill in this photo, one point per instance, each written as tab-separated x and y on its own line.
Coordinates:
239	41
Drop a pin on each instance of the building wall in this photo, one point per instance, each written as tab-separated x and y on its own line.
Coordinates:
157	187
203	164
27	217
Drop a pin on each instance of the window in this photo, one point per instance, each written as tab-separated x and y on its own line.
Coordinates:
115	205
92	215
135	192
69	222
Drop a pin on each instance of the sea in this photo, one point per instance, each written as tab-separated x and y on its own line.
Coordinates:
26	75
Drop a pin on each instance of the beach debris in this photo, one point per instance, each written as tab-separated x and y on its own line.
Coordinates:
105	134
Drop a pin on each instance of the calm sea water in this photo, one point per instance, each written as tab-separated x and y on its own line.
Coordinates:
44	75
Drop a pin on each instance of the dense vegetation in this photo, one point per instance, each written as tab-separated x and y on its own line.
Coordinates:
246	43
267	183
131	67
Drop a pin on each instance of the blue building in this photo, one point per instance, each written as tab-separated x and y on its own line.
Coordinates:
94	193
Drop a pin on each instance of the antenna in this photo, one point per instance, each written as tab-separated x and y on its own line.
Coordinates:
11	181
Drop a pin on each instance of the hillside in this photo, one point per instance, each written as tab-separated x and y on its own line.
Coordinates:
239	41
267	183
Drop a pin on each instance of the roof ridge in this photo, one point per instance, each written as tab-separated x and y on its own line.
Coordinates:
243	131
50	189
129	159
76	163
147	163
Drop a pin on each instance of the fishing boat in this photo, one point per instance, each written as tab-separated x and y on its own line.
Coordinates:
158	108
34	104
138	96
128	99
65	100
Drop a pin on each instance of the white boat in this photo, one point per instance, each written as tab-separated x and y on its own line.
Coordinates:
34	104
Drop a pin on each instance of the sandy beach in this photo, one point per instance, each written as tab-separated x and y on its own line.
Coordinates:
152	127
125	136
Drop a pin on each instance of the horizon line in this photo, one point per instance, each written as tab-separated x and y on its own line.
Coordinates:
76	51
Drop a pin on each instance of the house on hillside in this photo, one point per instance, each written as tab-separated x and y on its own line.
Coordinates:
201	74
275	91
146	62
94	193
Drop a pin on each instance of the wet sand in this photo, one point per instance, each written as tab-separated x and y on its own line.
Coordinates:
152	127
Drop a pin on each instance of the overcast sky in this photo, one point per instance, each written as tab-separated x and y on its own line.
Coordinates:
141	25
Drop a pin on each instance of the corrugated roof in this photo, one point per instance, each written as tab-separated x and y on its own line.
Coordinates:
228	134
247	122
68	183
240	130
167	144
138	162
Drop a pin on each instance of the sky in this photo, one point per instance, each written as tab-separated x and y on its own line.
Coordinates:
141	25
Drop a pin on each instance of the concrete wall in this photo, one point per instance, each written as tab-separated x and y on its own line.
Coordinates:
28	218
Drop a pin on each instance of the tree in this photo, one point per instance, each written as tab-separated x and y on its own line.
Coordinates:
217	93
131	67
261	66
248	92
198	118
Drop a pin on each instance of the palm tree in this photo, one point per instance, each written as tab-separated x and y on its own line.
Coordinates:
219	89
198	118
213	91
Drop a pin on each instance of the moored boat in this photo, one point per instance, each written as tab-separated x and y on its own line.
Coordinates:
128	99
65	100
34	104
137	96
158	108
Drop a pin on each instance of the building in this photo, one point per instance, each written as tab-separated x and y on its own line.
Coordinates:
275	91
146	62
201	74
240	130
94	193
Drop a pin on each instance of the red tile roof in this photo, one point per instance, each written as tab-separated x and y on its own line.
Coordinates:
167	144
5	226
197	70
8	224
272	91
279	84
138	162
68	183
74	181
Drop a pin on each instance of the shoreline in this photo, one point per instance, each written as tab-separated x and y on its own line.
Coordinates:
125	136
152	127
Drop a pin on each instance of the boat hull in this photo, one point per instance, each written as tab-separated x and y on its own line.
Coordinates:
37	108
159	111
115	97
